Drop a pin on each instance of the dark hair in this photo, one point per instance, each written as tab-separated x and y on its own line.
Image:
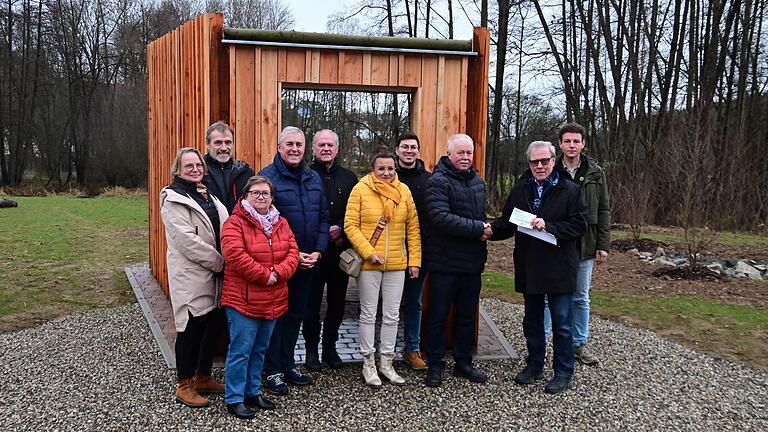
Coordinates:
408	135
258	179
382	154
572	128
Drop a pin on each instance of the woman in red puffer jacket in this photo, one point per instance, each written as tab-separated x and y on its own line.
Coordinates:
261	254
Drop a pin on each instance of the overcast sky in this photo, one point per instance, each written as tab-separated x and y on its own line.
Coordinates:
312	16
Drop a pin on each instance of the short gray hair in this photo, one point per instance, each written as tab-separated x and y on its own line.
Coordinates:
459	137
539	144
221	127
290	130
333	134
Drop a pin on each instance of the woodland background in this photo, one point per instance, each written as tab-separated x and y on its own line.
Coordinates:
673	93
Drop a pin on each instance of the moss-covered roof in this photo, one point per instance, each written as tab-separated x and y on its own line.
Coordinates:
295	37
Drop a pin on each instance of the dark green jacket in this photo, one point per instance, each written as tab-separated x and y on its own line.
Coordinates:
591	178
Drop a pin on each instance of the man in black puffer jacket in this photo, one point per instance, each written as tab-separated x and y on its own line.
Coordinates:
226	177
454	254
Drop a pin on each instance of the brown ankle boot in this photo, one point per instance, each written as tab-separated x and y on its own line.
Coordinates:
206	384
187	395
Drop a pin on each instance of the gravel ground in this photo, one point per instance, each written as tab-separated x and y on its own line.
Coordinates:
102	371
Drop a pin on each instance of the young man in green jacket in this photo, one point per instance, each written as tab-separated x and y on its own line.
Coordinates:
596	242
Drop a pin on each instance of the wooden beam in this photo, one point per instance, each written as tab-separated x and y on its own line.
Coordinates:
477	95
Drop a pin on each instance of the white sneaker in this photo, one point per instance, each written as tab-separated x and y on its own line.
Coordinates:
388	371
369	371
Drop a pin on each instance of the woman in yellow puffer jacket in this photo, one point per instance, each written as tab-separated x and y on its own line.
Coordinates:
381	200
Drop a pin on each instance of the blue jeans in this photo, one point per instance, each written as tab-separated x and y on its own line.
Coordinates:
249	338
580	305
280	352
412	293
562	340
461	290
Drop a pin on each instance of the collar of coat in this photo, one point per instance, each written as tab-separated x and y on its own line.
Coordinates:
170	195
446	166
237	165
416	169
282	168
320	167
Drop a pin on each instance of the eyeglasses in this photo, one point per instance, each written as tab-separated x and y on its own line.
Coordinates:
256	194
537	162
409	147
190	167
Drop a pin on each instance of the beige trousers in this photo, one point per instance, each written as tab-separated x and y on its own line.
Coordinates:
390	284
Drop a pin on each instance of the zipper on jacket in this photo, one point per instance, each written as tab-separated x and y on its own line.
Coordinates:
271	268
386	245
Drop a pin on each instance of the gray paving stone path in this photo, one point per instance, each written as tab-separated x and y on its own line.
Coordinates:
157	311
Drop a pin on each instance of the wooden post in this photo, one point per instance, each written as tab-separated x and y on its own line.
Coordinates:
187	89
477	95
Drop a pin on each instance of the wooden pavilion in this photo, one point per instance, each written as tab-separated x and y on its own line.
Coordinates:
203	72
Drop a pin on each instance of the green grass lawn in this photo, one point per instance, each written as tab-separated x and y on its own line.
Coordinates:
62	255
738	331
676	236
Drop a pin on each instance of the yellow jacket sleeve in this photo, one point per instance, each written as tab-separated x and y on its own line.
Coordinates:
353	223
413	234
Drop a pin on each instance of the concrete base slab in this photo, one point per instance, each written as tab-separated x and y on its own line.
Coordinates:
157	311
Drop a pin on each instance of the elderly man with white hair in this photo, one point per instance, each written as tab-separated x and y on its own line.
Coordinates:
454	254
542	269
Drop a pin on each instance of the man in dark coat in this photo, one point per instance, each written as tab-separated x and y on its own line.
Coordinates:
226	177
337	183
301	201
411	171
543	269
454	254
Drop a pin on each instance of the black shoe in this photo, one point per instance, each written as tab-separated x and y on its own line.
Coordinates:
527	376
239	410
259	402
434	378
465	370
276	385
332	359
295	377
558	385
313	362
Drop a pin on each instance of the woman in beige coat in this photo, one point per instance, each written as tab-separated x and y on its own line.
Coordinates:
193	220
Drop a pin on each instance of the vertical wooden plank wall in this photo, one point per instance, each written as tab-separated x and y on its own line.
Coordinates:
438	84
193	81
188	89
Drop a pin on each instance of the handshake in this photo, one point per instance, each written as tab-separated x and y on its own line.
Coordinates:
487	232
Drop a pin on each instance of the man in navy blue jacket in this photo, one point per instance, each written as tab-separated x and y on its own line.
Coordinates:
300	199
